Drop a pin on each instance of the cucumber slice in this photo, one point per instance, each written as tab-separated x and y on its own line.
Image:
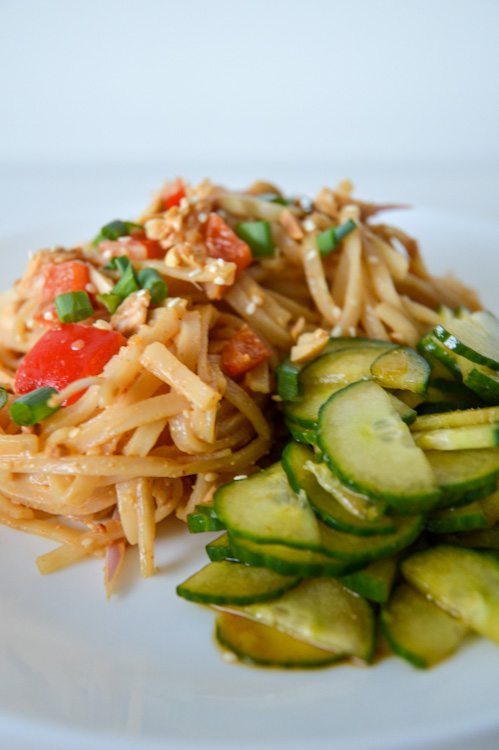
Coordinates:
363	550
483	381
288	560
264	508
412	400
301	434
204	518
234	583
322	612
329	374
403	369
418	630
441	359
457	472
475	337
295	459
358	505
289	386
450	391
405	412
464	518
373	582
459	438
371	450
490	507
462	581
488	539
221	549
258	644
458	418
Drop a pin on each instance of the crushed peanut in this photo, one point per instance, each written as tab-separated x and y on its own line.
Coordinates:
309	345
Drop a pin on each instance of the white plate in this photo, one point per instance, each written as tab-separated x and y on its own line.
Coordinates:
143	672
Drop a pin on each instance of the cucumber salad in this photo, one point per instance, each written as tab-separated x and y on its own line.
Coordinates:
377	531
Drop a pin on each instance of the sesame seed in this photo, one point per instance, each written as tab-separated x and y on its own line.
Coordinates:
220	262
305	203
103	324
276	398
142	293
30	324
184	202
352	331
90	288
77	345
311	254
173	301
194	273
250	308
239	477
219	281
74	432
336	331
107	254
210	476
202	217
309	225
48	315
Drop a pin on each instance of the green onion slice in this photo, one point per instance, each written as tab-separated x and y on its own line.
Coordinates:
116	229
331	238
151	280
33	407
258	235
73	306
128	282
4	395
110	301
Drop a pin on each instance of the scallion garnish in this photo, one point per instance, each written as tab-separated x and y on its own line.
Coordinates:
128	282
274	198
151	280
258	235
331	238
73	306
116	229
4	395
33	407
110	301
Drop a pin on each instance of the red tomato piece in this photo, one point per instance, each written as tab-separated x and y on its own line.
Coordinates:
65	354
173	193
71	276
136	247
243	352
222	242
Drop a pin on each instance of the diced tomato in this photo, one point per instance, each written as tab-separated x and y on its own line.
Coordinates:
173	193
65	354
136	246
243	352
222	242
71	276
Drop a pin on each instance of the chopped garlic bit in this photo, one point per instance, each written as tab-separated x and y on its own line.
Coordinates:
309	345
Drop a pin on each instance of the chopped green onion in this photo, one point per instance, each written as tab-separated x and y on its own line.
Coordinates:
151	280
289	386
4	395
118	264
331	238
128	282
33	407
274	198
110	301
116	229
258	235
73	306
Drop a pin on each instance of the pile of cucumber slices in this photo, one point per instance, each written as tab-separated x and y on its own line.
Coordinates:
378	531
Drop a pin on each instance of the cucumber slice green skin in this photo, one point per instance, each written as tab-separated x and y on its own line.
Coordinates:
328	374
462	581
476	338
465	518
457	500
483	382
403	369
265	509
441	359
301	434
375	581
322	612
264	646
204	518
419	630
360	421
487	539
227	582
221	549
457	418
357	505
449	391
288	560
294	460
405	412
459	438
364	550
